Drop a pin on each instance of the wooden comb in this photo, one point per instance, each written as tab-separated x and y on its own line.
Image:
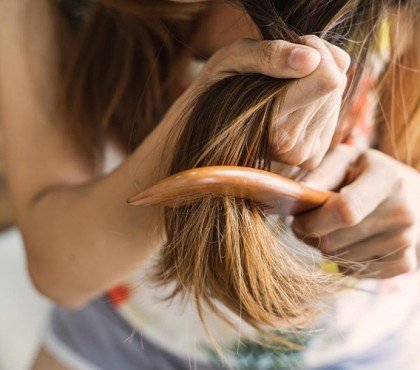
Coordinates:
277	194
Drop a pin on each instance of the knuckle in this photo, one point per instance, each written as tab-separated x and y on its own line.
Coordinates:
331	81
284	141
312	163
270	53
406	239
237	47
290	160
346	211
405	215
409	217
284	146
296	158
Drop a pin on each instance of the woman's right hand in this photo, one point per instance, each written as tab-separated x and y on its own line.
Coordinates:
308	116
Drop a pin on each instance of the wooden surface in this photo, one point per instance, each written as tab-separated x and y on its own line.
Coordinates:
276	193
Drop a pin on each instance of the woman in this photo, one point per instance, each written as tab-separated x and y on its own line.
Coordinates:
82	238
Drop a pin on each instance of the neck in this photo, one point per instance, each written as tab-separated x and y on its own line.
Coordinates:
221	25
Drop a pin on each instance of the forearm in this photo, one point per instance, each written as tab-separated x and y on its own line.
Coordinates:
81	236
82	240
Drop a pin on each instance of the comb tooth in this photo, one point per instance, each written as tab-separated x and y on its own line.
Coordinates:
159	196
156	194
149	201
157	190
139	199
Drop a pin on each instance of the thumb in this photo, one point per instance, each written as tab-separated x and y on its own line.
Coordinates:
332	171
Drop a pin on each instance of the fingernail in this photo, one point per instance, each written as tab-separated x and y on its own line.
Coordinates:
301	57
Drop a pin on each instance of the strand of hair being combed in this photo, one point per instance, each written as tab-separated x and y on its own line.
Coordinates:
226	249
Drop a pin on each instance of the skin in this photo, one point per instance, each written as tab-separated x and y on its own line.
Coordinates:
373	219
80	235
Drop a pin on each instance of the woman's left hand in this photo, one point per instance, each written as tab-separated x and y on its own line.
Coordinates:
374	218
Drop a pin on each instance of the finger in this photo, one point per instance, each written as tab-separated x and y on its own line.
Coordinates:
320	151
341	210
306	142
374	183
401	262
376	223
276	58
324	143
305	127
342	58
333	169
320	45
290	130
372	186
299	153
324	124
323	81
378	247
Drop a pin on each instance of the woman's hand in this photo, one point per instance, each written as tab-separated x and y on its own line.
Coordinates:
308	115
373	219
308	118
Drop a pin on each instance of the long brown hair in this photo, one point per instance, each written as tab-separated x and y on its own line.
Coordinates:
223	249
226	249
399	90
122	73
